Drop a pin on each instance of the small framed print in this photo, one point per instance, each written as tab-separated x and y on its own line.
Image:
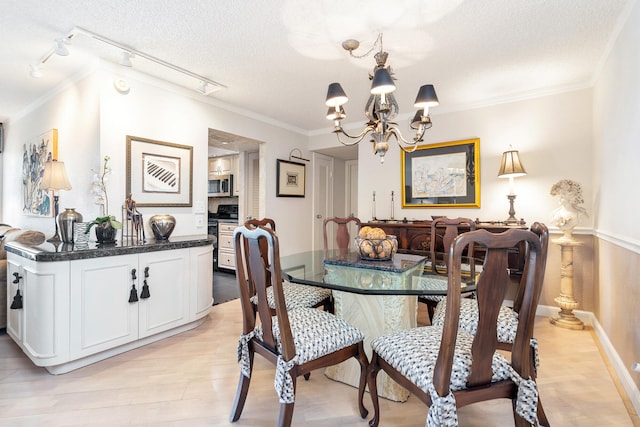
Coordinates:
290	179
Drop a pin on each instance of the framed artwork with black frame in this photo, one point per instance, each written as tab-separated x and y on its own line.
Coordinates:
159	173
444	175
290	179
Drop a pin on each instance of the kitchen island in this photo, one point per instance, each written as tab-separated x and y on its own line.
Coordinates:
70	306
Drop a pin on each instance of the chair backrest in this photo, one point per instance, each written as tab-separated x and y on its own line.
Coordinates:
492	285
264	222
542	232
452	228
343	239
254	269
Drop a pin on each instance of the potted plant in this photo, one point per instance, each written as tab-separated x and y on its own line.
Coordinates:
106	228
106	225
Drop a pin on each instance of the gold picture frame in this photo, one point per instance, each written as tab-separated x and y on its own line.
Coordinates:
443	175
159	173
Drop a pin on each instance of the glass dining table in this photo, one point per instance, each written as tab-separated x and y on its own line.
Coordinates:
378	297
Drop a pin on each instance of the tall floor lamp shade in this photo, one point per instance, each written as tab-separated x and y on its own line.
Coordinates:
511	167
55	179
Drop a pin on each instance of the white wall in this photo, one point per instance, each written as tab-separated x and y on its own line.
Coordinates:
552	134
74	112
93	120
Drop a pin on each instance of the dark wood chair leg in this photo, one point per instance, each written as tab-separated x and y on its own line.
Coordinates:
241	393
372	373
364	364
286	410
542	417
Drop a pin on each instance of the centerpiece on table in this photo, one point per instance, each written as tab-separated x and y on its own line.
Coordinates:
106	225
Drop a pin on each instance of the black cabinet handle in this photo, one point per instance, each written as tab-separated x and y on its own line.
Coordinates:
146	272
133	274
144	294
18	277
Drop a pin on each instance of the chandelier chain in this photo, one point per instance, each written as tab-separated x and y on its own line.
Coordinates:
378	42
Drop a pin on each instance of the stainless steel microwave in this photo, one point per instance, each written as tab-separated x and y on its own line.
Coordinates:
221	186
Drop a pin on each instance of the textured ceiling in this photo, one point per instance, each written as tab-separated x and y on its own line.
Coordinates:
276	57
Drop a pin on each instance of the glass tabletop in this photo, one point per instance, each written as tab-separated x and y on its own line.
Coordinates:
405	274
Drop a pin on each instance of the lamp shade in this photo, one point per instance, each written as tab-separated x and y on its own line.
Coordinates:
336	113
511	166
55	176
335	95
417	120
382	82
426	97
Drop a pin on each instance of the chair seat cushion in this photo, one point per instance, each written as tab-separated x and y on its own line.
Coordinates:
297	296
315	333
507	319
413	353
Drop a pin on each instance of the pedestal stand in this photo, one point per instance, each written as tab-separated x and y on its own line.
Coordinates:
565	318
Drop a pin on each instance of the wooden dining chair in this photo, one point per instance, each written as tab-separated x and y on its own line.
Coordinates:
443	233
343	238
295	295
445	366
507	321
296	341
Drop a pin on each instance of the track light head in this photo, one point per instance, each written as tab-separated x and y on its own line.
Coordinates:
61	49
125	61
36	73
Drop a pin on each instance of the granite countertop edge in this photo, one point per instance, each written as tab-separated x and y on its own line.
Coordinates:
48	252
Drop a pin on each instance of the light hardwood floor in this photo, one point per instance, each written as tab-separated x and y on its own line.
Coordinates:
190	380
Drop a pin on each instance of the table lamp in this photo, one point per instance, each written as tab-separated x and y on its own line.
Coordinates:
54	179
511	167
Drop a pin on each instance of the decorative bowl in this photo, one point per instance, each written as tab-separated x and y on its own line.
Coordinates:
376	249
162	226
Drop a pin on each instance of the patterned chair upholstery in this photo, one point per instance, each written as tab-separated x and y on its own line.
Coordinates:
295	295
296	341
447	367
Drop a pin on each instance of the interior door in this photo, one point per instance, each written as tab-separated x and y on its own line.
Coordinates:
322	195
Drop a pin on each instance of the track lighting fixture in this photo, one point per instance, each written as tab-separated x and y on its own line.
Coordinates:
36	73
60	48
205	85
125	61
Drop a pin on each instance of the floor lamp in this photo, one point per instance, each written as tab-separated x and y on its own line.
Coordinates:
55	179
511	167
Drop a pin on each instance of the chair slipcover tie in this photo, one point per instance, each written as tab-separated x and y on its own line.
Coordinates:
443	411
243	353
283	382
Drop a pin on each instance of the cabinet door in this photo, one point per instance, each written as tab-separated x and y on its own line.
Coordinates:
41	326
101	315
168	280
201	281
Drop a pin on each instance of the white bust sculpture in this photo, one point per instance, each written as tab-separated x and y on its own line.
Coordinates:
569	213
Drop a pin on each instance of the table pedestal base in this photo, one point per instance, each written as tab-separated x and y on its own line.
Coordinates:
374	315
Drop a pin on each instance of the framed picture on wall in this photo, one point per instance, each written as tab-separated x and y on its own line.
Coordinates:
159	173
444	175
290	179
36	152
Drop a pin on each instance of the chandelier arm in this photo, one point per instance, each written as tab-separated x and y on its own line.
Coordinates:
393	130
339	130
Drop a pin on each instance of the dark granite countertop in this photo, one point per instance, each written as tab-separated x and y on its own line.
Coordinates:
48	252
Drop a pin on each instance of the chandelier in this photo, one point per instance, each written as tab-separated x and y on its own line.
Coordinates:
381	108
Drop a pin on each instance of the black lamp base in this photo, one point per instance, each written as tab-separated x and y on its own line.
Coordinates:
56	237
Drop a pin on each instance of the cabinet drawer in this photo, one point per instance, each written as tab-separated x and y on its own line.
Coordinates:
225	241
226	227
227	259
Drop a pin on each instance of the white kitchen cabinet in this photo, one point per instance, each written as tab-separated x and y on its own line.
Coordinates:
79	311
219	166
39	326
226	253
102	315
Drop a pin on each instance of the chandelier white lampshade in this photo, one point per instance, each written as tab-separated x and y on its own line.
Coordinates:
55	178
381	108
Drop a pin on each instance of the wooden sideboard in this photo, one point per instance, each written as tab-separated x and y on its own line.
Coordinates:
415	237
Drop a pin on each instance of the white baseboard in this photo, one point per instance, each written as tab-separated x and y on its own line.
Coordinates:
622	371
